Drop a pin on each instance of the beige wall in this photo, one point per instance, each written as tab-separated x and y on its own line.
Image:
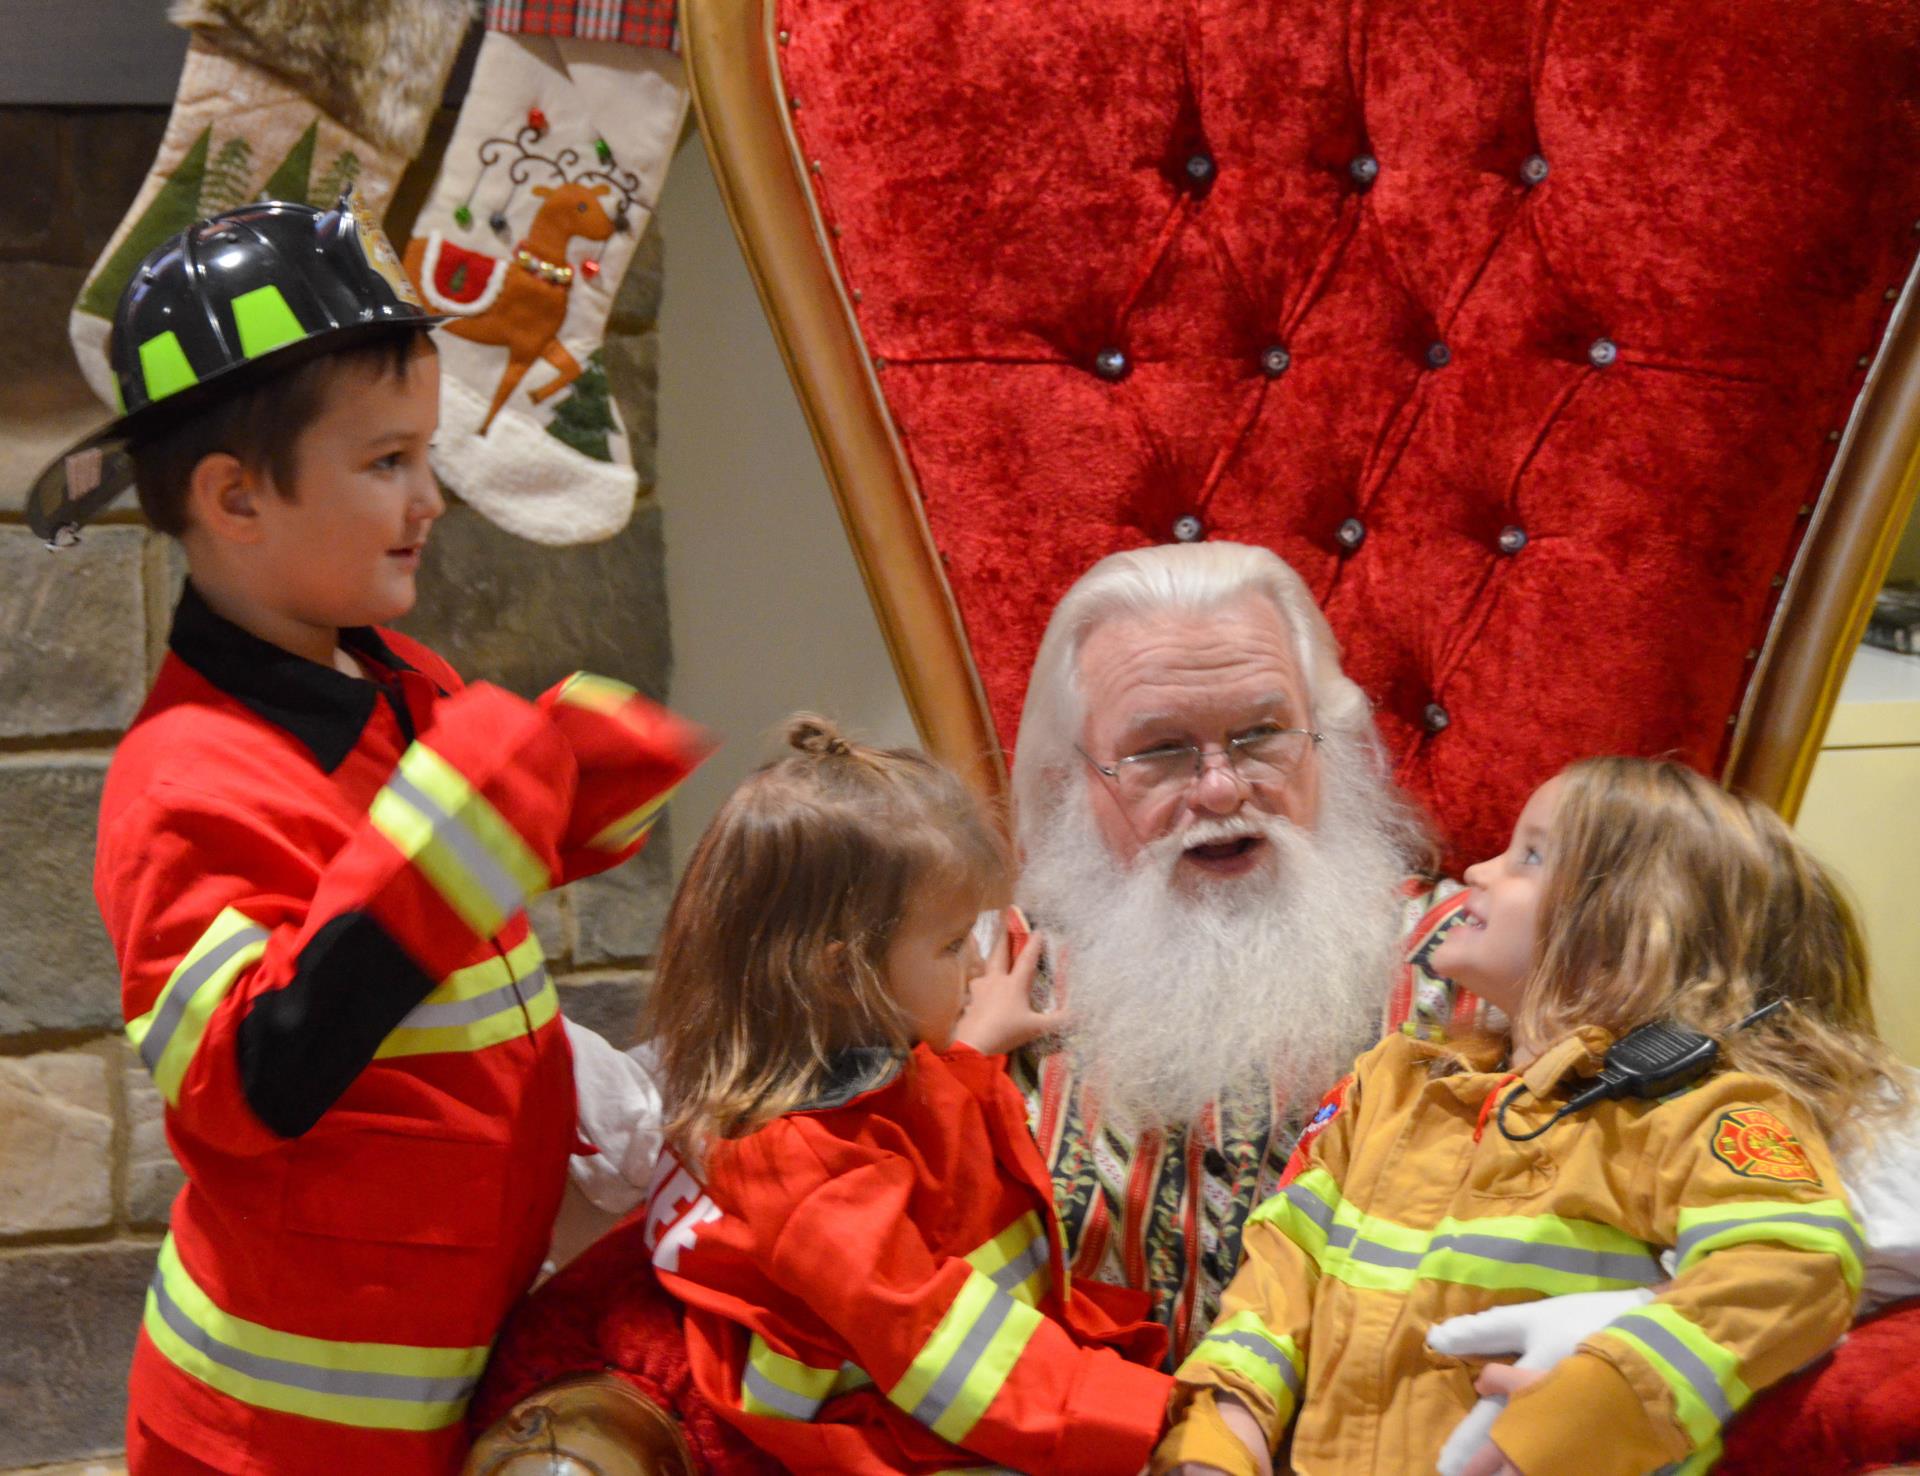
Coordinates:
769	614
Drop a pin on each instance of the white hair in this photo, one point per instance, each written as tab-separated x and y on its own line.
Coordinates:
1270	981
1185	578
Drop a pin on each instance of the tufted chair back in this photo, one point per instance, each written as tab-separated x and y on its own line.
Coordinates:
1533	333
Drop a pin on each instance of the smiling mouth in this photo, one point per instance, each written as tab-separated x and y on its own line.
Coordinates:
1233	855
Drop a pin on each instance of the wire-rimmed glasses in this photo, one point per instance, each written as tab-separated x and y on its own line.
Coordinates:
1265	754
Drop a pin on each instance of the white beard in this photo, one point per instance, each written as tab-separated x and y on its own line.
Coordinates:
1217	992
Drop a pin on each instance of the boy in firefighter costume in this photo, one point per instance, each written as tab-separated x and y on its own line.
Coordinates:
315	845
1446	1179
854	1212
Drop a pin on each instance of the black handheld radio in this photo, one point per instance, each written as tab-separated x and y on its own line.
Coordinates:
1651	1060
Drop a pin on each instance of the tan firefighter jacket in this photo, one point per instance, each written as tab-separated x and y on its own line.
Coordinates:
1414	1208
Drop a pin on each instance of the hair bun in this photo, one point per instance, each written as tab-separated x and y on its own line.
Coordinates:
812	734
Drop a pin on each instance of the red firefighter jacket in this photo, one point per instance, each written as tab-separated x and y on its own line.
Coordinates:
876	1284
314	886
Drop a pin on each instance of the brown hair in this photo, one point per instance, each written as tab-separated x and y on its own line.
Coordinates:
773	958
261	425
1666	897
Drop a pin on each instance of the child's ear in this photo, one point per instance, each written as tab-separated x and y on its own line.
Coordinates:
223	497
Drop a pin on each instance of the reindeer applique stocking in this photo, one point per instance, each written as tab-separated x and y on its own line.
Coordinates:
547	185
281	99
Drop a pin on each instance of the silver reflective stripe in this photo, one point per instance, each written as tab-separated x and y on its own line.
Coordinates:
1312	1206
1688	1239
1615	1265
403	1388
1373	1253
1021	1266
1685	1361
1254	1343
185	987
793	1406
953	1377
490	874
510	995
1340	1237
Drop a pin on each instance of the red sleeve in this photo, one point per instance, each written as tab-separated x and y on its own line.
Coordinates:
947	1346
631	755
259	980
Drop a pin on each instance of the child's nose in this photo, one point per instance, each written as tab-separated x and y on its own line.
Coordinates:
1476	874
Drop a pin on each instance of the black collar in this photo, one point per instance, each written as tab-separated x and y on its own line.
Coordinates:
853	1073
327	710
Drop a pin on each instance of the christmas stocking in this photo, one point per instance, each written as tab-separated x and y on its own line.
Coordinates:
549	180
283	100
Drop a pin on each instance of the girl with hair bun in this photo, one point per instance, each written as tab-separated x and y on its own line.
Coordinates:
853	1210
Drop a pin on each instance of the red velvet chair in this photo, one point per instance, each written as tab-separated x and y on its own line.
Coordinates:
1559	344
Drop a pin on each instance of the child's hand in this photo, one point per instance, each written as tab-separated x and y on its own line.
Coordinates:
1499	1381
1000	1016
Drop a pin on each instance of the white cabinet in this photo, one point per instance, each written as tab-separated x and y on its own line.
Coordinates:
1861	816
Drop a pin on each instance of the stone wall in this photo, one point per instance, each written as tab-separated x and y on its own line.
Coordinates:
85	1176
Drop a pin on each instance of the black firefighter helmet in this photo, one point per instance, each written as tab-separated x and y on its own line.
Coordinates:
217	308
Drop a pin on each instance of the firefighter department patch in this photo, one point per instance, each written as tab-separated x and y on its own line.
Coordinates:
1757	1145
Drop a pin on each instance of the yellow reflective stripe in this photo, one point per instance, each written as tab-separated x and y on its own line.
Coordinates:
1822	1225
167	1035
478	1006
632	826
1547	1254
1016	1260
596	693
783	1388
1245	1345
458	840
385	1386
1703	1376
960	1369
780	1387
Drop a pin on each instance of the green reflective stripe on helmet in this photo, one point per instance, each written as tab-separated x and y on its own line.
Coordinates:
164	369
383	1386
459	841
1823	1225
478	1006
167	1035
264	321
1547	1254
1016	1260
1243	1344
1703	1377
960	1369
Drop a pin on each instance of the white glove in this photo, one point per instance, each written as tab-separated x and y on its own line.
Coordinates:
1542	1333
621	1114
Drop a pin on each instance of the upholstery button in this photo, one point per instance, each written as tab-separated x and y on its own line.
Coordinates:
1275	361
1351	534
1512	539
1438	355
1435	717
1602	352
1187	528
1200	169
1364	168
1535	169
1112	363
